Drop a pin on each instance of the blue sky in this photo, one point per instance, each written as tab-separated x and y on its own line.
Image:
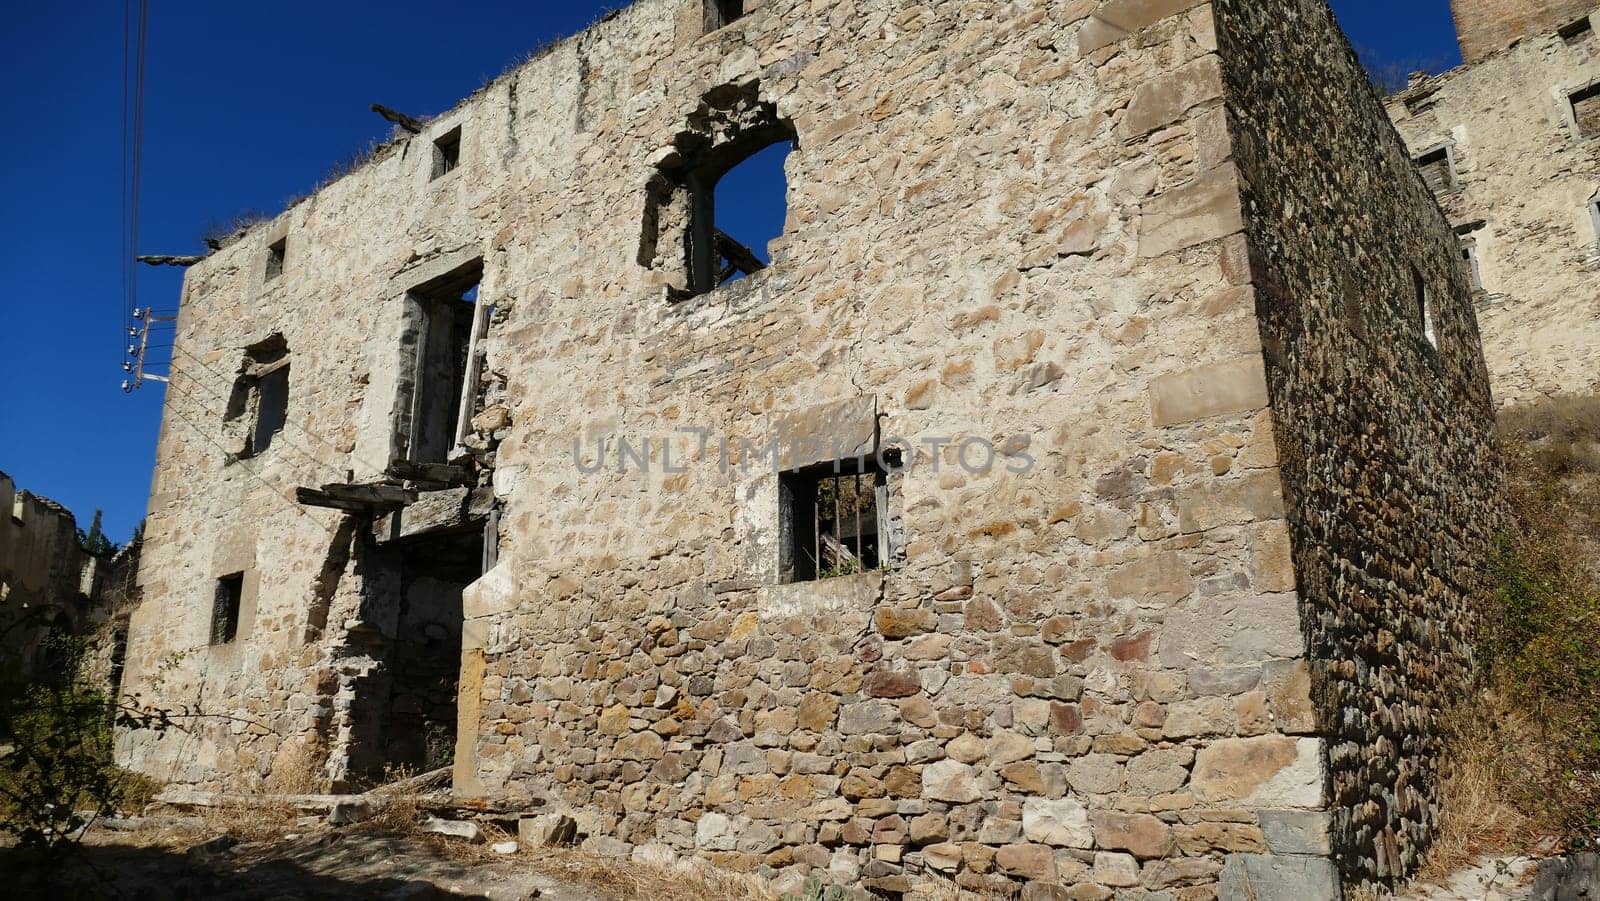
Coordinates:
247	105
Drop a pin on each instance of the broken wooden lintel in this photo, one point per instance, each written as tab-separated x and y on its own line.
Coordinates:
406	122
165	260
430	473
357	498
437	512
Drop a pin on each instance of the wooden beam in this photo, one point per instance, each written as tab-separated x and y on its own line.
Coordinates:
163	260
738	256
431	473
357	498
401	119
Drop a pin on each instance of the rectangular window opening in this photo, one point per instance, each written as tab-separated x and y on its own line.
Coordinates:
1425	310
1438	169
1586	110
1469	256
720	13
835	518
446	317
276	252
272	408
1594	216
1576	31
260	397
447	152
225	609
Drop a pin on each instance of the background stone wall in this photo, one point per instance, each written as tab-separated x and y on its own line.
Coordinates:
1387	454
1526	179
1485	26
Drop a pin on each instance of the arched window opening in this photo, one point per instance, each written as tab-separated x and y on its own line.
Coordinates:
721	194
750	209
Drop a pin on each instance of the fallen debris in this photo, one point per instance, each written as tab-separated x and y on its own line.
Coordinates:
463	829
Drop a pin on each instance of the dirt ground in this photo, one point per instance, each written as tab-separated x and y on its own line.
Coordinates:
190	861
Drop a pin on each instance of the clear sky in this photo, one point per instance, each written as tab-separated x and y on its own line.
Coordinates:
246	106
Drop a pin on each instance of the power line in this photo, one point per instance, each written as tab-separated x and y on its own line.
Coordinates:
298	508
135	43
227	381
337	471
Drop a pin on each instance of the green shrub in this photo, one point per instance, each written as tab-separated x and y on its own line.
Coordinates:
1541	639
57	774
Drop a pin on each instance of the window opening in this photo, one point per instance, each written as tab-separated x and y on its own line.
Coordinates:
261	395
276	253
705	224
1425	310
445	319
1438	169
835	518
447	152
1576	31
225	609
1586	110
1594	216
719	13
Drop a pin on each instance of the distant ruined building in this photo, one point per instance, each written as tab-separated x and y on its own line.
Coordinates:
1087	494
55	596
1510	143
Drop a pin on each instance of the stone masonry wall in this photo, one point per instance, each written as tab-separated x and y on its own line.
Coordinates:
1485	26
1387	455
1526	180
1084	676
1017	223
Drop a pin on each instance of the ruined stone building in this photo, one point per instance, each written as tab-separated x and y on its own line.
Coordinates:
1085	495
51	591
1510	143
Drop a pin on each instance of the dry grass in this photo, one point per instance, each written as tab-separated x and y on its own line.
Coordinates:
683	881
257	809
1526	764
1481	817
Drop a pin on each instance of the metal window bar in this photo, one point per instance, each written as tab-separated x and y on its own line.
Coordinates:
845	523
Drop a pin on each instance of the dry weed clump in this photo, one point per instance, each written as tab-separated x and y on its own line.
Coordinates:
682	881
259	808
1527	764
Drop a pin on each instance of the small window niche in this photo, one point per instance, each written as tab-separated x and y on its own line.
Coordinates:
834	518
720	201
447	152
1577	31
441	353
1469	258
1438	168
225	609
1594	219
721	13
260	398
276	253
1467	236
1425	310
1585	104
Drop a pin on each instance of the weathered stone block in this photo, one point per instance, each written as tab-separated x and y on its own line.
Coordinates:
1268	771
1237	386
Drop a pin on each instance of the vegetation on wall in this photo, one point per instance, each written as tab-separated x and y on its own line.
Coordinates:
1528	773
56	770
